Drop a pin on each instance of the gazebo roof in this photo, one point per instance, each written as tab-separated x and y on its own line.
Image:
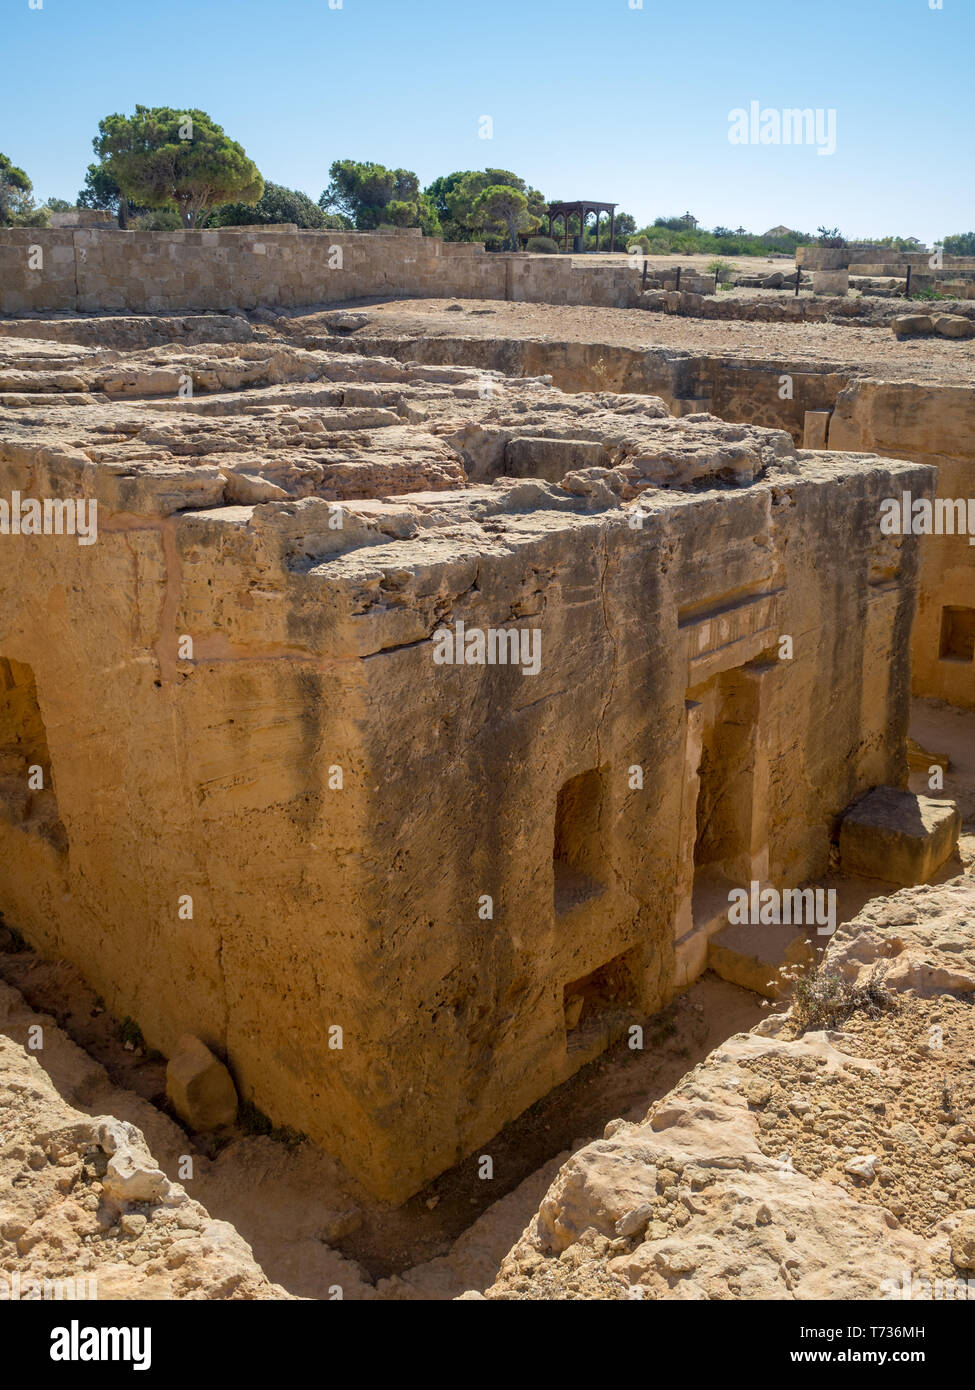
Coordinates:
555	208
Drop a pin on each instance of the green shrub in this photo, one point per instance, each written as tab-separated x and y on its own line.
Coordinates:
130	1032
721	270
276	204
543	245
163	220
960	244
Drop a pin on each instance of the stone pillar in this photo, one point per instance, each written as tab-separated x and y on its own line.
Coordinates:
758	678
815	429
687	836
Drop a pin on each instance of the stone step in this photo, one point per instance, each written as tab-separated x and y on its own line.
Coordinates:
755	956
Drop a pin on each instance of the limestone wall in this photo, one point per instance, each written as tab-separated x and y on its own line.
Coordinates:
91	269
876	259
936	427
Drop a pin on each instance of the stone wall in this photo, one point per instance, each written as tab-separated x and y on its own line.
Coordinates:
90	270
841	257
935	427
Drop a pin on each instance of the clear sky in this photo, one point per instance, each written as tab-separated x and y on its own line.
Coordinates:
606	99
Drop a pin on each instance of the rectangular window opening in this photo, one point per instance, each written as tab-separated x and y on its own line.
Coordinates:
957	634
577	858
600	1006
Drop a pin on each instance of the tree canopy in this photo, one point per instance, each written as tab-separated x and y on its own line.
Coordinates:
102	191
960	244
502	205
457	194
370	196
17	206
162	158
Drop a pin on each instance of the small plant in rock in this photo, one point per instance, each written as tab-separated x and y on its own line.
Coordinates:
130	1034
824	999
721	270
929	295
254	1122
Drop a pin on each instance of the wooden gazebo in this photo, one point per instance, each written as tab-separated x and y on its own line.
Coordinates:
582	211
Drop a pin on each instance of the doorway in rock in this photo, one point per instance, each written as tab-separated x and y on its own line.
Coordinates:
726	713
27	798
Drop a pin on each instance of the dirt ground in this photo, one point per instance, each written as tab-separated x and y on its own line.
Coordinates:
844	344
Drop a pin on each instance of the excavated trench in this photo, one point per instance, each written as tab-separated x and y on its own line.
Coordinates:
776	393
299	1213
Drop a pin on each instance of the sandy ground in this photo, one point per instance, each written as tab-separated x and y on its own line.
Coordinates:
869	350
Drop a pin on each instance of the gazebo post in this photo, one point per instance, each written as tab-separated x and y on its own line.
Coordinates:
612	231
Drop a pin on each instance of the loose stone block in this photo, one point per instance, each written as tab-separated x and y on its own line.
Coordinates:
199	1086
755	956
836	282
898	836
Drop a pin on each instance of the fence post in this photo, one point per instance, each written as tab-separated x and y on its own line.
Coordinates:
677	286
798	278
907	288
643	284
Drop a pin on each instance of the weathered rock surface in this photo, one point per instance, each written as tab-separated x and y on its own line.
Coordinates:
836	1162
937	325
82	1199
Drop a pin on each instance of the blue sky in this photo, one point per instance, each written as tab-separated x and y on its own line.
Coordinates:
589	98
